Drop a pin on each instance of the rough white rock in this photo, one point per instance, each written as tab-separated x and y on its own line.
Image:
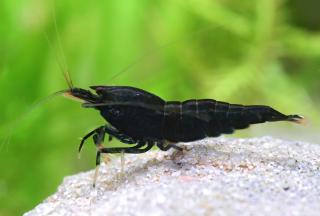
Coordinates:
223	176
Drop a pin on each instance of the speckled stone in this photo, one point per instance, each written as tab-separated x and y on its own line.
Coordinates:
222	176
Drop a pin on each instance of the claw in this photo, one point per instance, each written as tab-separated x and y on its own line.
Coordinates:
81	145
84	139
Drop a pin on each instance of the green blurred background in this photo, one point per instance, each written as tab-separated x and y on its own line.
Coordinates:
249	52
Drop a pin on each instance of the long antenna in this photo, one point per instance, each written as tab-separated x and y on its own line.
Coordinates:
63	62
62	69
61	59
168	44
13	125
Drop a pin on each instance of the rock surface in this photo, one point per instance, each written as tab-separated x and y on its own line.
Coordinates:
223	176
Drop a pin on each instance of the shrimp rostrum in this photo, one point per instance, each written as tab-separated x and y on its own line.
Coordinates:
140	118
